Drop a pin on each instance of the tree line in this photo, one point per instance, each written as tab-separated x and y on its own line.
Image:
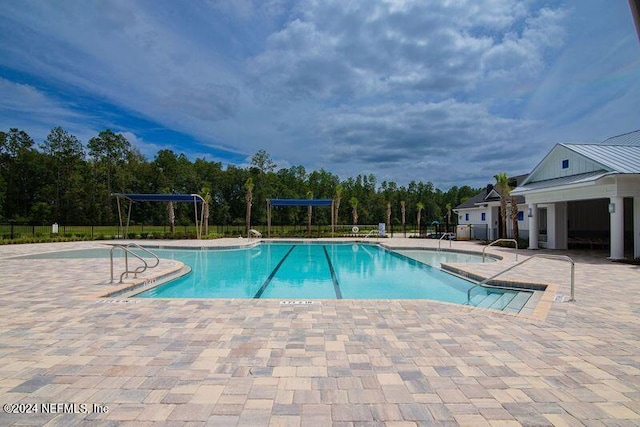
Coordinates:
63	180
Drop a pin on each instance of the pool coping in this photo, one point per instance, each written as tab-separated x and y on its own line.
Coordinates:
129	290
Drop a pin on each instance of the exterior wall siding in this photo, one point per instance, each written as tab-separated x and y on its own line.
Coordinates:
552	166
475	218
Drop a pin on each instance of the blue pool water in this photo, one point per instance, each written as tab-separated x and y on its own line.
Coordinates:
323	271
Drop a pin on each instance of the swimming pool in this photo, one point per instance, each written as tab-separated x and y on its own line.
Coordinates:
324	271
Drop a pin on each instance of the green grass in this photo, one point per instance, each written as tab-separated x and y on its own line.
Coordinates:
34	234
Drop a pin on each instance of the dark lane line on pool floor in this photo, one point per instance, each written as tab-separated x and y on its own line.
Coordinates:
336	285
273	273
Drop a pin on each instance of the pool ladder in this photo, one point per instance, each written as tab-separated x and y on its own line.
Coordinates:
127	250
372	232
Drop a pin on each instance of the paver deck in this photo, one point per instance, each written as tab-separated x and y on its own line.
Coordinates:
338	362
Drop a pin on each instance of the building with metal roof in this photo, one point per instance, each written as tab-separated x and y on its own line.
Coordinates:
481	213
586	193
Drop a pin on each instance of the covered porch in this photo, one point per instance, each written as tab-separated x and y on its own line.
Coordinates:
598	213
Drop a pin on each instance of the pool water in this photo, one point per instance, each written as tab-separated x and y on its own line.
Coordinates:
324	271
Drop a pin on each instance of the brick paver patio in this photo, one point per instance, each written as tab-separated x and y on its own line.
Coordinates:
343	363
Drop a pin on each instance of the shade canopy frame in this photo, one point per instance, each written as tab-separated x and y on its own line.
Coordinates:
185	198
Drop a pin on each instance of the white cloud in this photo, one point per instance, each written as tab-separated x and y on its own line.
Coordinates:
25	107
438	90
334	50
522	55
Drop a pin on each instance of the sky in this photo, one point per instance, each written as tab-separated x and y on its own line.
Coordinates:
445	91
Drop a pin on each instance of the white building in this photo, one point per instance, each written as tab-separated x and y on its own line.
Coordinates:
586	195
482	213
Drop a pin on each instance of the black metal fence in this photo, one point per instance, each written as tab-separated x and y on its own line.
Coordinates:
15	230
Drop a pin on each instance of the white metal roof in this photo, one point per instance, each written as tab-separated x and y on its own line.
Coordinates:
620	158
631	138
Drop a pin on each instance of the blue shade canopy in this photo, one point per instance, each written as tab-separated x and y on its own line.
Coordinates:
300	202
191	198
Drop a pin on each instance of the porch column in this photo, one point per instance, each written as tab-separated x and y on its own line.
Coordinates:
617	227
561	236
489	223
636	227
533	226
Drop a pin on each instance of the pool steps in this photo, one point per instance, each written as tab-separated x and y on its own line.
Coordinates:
510	301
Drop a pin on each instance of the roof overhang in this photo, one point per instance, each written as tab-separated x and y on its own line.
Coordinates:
563	183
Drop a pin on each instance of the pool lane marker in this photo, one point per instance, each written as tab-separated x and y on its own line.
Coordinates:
273	273
336	285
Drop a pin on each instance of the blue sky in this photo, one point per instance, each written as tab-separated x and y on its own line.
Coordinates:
441	91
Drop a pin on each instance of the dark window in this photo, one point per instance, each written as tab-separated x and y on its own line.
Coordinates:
483	216
565	164
466	217
520	215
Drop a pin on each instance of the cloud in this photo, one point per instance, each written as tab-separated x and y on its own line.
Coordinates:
397	134
20	99
448	91
24	106
522	54
125	55
359	49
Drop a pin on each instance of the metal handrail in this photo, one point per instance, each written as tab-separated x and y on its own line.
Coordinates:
371	232
500	240
442	237
127	251
548	256
253	233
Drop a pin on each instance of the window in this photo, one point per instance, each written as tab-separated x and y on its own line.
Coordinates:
483	216
466	217
520	215
565	164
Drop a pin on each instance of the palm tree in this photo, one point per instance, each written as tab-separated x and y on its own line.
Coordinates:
403	209
420	207
502	185
448	208
309	212
514	217
205	208
354	209
248	197
337	197
172	217
388	216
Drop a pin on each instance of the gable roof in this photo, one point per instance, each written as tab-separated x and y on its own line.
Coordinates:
472	202
618	154
491	194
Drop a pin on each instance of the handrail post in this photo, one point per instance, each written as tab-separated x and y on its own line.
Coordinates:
442	237
111	258
126	264
573	269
